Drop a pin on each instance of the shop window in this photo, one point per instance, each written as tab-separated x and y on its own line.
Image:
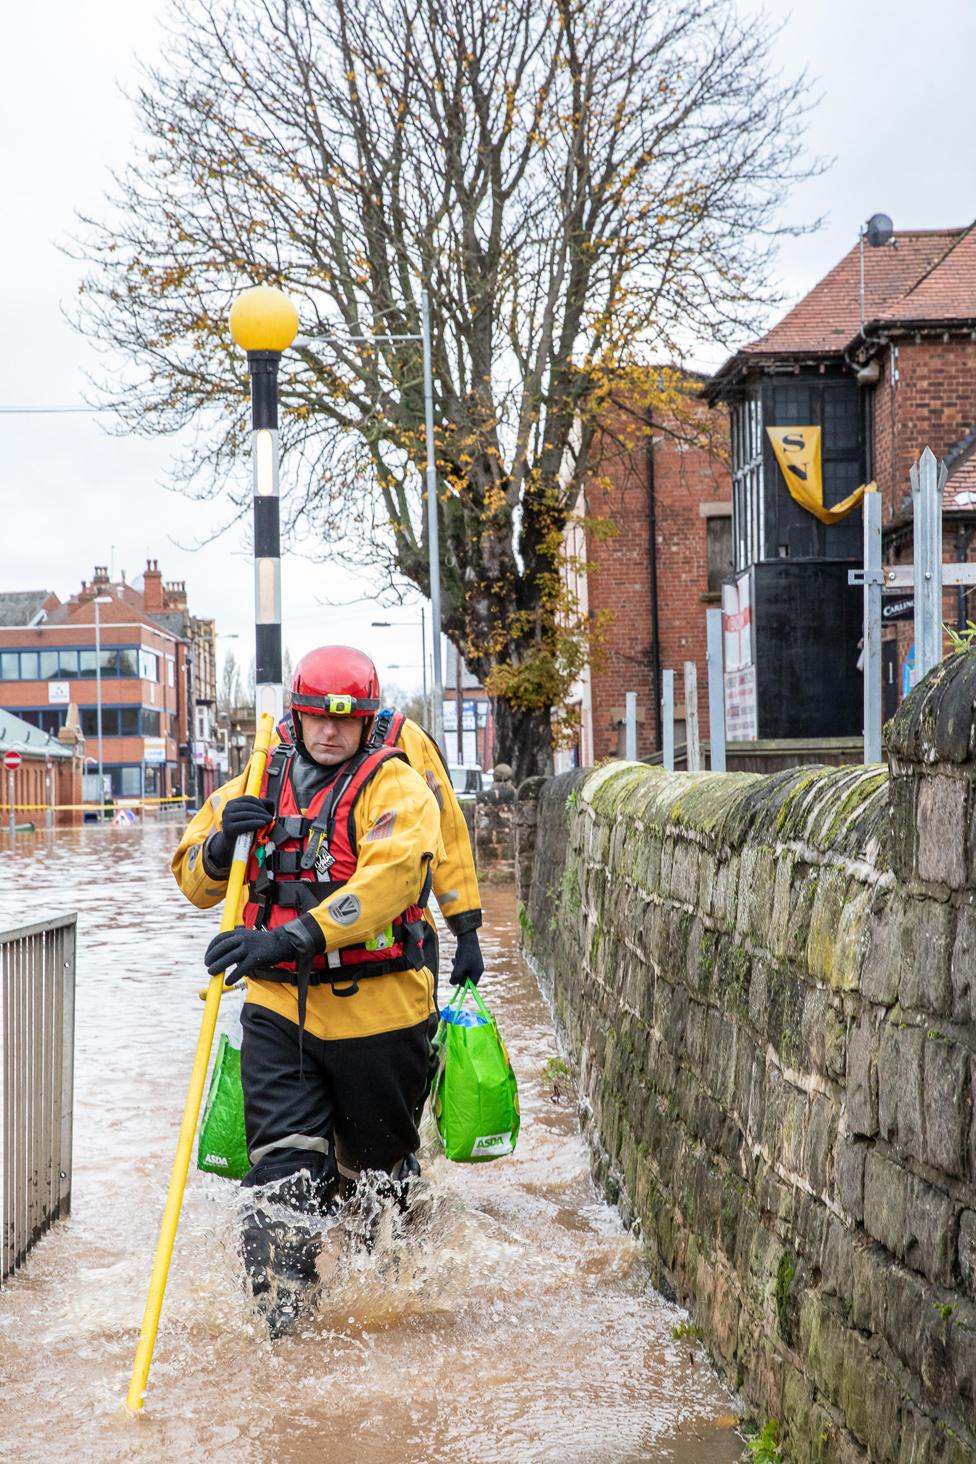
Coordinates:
718	528
129	782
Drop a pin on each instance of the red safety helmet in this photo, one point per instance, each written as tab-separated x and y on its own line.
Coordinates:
335	681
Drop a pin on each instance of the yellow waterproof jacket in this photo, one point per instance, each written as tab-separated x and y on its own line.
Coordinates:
455	880
397	822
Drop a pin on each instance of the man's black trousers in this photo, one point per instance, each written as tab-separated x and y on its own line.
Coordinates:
362	1094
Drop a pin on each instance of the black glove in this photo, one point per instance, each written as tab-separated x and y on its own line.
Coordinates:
243	815
469	963
245	950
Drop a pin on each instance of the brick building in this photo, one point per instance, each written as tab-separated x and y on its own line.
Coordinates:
882	374
668	498
880	377
147	642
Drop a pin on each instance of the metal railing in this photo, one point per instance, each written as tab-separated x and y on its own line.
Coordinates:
37	1026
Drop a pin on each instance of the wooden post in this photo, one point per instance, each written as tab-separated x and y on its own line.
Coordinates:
692	740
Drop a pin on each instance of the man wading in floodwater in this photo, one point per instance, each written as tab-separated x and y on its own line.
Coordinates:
340	1009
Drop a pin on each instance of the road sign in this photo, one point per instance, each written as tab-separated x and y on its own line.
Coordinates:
11	761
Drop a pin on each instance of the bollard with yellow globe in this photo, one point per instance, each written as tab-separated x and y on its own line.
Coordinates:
264	322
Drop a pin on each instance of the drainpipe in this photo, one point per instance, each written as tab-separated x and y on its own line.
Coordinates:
652	570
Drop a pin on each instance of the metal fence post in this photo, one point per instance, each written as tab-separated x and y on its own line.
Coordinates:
667	718
716	691
928	479
630	727
692	738
872	627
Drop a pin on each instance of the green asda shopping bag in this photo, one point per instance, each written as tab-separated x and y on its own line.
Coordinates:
474	1097
223	1148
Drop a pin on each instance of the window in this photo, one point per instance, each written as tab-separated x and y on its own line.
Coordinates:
9	666
718	528
150	724
129	721
48	719
148	665
170	671
28	666
128	663
127	782
58	665
86	663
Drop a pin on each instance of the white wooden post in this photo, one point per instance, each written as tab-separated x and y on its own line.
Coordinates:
716	691
928	482
692	739
667	718
630	727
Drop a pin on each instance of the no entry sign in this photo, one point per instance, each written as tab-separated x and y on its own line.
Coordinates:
11	761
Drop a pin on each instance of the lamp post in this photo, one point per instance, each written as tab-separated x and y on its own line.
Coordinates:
433	544
99	600
264	322
389	625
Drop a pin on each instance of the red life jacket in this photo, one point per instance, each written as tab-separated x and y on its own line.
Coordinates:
299	860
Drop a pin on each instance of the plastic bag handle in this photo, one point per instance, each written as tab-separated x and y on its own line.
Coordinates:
461	994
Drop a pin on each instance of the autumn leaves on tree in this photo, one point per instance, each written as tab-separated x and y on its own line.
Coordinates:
587	188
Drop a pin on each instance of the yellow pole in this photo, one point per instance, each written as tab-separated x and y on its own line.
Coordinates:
181	1164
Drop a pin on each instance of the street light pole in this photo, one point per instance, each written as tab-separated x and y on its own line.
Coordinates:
433	546
264	322
99	600
433	543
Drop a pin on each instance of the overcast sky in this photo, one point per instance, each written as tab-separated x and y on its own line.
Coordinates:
898	113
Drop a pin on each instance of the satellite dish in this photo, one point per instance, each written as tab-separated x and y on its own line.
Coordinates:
878	230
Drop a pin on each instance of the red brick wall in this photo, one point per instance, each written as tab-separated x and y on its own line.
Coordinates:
932	404
685	478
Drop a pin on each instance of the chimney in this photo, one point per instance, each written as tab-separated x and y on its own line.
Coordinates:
152	588
101	576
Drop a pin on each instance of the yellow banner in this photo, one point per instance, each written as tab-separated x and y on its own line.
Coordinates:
797	451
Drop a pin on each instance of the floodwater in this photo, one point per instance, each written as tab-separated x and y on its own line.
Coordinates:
514	1323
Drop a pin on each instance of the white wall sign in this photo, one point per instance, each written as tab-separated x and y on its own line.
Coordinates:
57	692
154	749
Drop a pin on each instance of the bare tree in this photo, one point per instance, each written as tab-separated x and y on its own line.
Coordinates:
584	186
229	697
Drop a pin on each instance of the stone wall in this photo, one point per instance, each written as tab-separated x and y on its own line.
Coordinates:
769	985
494	830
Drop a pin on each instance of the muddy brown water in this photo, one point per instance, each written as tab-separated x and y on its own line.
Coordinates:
516	1324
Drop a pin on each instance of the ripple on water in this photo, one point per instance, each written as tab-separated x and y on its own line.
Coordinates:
510	1321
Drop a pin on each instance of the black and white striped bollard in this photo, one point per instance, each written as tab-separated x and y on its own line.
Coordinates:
264	322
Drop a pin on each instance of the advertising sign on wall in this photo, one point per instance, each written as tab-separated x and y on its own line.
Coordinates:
741	718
